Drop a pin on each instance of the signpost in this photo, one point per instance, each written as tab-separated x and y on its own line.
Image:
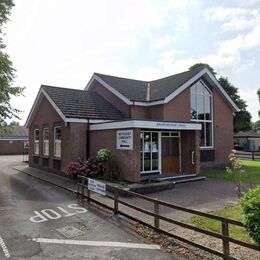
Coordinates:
97	186
124	140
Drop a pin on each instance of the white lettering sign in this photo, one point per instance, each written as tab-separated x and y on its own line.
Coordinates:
97	186
124	140
176	125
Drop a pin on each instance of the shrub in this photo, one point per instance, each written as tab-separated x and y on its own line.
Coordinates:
250	204
104	155
73	169
88	168
235	167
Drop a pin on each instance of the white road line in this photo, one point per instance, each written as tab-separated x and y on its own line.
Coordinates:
5	250
96	243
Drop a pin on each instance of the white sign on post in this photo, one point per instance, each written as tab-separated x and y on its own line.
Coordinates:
97	186
124	140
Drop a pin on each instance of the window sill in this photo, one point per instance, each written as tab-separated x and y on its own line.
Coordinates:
56	158
36	155
207	148
45	156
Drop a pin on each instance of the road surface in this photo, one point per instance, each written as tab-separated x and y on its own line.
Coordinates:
41	221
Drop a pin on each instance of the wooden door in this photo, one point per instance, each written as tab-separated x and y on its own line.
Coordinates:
170	155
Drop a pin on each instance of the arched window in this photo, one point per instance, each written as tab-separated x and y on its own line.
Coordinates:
201	111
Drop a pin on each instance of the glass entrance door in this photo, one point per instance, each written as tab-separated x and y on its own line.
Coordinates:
149	152
170	154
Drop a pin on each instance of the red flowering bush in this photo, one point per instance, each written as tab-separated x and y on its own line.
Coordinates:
88	168
73	169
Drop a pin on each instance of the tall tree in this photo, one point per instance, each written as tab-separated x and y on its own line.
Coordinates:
7	72
202	65
242	119
258	93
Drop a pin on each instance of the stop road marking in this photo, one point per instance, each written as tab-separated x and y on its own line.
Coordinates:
47	214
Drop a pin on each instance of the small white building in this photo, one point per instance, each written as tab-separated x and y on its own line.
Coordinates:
247	141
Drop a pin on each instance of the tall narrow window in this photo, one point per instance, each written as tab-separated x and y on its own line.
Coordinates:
201	112
45	141
149	152
57	141
36	142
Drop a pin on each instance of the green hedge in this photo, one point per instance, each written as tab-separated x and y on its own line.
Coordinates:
250	204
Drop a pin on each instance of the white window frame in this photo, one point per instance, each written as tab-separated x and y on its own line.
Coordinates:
36	142
56	142
45	141
204	121
158	151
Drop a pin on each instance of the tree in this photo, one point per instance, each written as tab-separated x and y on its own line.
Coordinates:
258	93
242	119
256	126
203	65
7	72
14	123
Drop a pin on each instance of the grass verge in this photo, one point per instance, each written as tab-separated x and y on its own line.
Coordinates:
251	175
230	211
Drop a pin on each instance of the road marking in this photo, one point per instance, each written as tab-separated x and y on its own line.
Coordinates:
5	250
96	243
50	214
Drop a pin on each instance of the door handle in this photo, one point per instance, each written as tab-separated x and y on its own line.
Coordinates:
192	157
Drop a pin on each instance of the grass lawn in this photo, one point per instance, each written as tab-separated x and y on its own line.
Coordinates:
251	175
232	212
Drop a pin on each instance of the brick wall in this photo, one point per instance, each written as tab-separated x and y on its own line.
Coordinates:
128	161
73	139
190	143
11	147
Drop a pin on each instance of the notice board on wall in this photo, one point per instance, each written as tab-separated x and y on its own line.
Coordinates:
124	140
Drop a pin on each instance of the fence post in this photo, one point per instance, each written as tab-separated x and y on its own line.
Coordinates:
253	154
82	190
156	212
116	201
225	233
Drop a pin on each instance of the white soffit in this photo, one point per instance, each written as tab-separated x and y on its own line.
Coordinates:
146	125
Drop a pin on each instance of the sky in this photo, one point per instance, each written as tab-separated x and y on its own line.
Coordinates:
63	42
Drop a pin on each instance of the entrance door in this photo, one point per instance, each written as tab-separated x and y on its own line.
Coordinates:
170	155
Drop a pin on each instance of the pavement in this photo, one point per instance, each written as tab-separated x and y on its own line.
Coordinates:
43	221
208	195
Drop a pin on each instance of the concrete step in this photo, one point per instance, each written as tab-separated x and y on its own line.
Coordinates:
176	177
189	180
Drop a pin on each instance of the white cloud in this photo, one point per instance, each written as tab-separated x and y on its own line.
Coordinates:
183	24
222	14
148	73
179	5
161	42
251	100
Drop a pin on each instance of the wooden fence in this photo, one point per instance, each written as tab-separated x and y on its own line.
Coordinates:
255	156
115	194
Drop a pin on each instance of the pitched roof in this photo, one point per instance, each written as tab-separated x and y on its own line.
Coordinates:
82	104
159	89
251	134
14	132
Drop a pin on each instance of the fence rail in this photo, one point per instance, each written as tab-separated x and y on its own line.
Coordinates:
157	217
254	156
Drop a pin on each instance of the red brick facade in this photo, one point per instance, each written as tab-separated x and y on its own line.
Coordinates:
74	142
11	147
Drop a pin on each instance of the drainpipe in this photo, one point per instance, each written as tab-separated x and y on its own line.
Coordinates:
148	90
131	109
87	141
